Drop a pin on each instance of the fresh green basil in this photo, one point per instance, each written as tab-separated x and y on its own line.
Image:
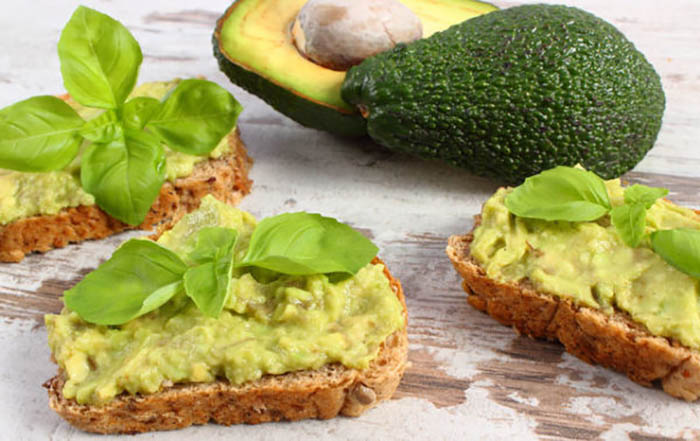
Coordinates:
680	248
641	194
305	243
561	193
125	175
138	278
211	242
138	111
629	221
195	117
576	195
207	283
39	134
142	275
103	129
100	59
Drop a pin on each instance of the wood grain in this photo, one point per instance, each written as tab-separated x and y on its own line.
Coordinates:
469	376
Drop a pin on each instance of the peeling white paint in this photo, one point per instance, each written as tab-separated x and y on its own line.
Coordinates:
391	195
464	363
661	414
518	398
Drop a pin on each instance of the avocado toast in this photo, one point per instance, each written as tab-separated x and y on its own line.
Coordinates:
610	295
108	156
255	346
67	214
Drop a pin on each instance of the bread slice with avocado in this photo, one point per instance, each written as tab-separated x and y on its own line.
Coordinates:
283	370
322	393
43	211
108	157
543	278
225	177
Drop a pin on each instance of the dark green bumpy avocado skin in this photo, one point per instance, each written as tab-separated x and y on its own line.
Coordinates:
514	92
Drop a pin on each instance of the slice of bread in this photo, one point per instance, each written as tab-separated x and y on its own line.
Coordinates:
225	177
614	341
323	393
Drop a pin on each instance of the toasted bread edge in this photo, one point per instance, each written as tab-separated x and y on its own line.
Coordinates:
613	341
323	393
226	178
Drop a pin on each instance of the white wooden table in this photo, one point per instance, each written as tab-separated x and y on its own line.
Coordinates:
469	377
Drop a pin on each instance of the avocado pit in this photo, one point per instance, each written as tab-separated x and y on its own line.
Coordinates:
338	34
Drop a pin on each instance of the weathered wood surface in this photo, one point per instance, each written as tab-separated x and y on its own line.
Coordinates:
470	377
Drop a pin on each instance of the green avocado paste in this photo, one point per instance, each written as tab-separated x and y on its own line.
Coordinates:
29	194
271	326
587	263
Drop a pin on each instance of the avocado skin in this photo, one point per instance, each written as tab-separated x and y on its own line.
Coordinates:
514	92
297	107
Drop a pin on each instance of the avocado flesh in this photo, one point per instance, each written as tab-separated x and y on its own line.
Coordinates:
254	48
513	93
588	263
284	324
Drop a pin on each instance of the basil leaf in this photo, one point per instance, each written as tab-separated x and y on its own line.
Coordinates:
100	59
211	243
629	220
641	194
104	129
125	175
39	134
139	277
304	243
561	193
138	111
207	284
195	117
680	248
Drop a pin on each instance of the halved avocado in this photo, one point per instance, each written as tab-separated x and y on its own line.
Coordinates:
254	47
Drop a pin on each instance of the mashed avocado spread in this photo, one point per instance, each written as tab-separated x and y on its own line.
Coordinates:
271	326
29	194
588	263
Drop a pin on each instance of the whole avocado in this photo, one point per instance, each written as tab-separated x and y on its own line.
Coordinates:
515	92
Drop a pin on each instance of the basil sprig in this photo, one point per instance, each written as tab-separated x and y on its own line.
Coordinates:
206	283
142	275
575	195
630	218
124	163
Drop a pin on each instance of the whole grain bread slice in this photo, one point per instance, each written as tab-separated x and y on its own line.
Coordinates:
225	177
323	393
614	341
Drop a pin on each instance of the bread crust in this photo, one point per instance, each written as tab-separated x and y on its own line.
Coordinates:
614	340
226	178
323	393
